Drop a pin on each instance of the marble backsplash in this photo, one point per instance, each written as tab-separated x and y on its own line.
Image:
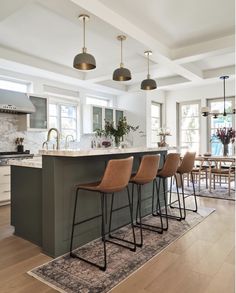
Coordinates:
9	132
33	140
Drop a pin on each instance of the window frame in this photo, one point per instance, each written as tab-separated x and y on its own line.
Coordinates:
161	107
208	102
17	82
179	108
65	102
98	98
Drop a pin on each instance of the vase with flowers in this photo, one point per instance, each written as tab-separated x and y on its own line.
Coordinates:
118	132
226	136
163	132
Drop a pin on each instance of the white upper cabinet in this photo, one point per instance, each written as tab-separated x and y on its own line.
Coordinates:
94	117
37	121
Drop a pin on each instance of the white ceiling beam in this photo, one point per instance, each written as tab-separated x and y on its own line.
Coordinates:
162	83
203	50
10	7
217	72
136	73
161	54
30	65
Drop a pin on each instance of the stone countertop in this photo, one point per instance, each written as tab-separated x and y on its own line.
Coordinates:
101	151
35	162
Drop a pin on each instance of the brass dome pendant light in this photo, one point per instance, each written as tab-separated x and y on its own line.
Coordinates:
148	84
84	61
121	73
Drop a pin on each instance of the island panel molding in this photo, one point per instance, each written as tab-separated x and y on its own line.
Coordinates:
61	171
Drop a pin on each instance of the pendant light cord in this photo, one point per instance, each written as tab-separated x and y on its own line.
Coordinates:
84	48
224	114
121	53
148	76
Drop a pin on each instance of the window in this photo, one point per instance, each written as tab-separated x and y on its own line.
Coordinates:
155	122
189	125
97	101
63	116
14	86
216	147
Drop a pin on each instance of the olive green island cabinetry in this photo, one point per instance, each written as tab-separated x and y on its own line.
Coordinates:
43	194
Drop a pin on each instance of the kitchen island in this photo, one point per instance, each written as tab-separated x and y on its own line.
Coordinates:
43	195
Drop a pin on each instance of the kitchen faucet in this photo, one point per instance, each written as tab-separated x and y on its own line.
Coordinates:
67	140
49	136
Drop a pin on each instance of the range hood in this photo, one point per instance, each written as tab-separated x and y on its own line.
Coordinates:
15	102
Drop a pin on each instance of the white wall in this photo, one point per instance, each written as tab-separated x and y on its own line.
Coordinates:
138	112
198	93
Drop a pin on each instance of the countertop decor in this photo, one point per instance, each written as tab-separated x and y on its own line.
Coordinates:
119	131
226	136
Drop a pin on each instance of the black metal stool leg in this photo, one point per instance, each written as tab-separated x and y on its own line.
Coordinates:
154	228
73	224
103	232
132	227
183	193
110	218
103	267
139	211
171	189
194	194
183	197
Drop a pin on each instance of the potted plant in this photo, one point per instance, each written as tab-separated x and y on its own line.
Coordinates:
119	131
19	144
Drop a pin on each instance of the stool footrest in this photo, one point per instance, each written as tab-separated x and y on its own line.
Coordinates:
87	220
150	227
120	244
103	268
169	216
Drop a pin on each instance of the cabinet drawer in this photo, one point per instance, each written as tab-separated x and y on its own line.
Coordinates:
5	170
5	192
5	179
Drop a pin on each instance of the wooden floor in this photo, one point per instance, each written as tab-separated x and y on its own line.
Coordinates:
202	261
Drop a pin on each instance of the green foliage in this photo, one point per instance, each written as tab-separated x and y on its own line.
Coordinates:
118	132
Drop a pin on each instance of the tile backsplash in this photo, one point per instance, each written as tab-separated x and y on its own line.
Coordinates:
9	132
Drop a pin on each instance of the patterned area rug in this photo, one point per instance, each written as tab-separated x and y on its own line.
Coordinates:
67	274
221	192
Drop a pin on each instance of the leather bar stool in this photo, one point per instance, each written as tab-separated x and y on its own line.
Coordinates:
116	178
186	167
168	171
146	174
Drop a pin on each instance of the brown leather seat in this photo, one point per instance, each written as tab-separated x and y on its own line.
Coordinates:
147	170
170	166
187	163
116	177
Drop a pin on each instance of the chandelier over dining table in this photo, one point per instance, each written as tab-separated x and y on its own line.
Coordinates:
215	113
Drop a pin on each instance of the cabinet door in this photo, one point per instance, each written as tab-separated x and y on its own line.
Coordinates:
97	118
109	115
119	115
38	119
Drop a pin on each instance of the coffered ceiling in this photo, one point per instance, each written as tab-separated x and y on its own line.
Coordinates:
192	41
